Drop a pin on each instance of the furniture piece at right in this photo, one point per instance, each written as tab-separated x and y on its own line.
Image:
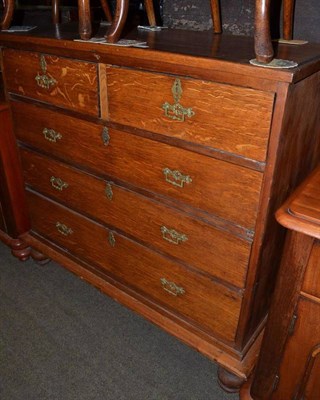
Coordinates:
289	362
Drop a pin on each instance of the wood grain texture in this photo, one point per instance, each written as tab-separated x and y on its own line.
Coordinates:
214	307
227	118
12	193
294	263
206	248
293	153
76	82
311	283
141	161
300	365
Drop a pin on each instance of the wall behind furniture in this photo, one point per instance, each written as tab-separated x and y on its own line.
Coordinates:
237	16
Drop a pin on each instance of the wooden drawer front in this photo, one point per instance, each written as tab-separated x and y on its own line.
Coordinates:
300	367
72	84
191	240
229	118
311	284
226	190
212	306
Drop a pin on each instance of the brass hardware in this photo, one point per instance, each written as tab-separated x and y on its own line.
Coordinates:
44	81
172	288
176	111
108	191
112	239
63	229
175	177
51	135
292	324
172	236
105	136
58	183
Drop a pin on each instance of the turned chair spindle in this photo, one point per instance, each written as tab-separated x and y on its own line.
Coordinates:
263	44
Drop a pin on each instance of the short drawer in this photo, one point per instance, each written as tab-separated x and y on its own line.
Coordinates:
212	307
191	240
224	117
55	80
226	190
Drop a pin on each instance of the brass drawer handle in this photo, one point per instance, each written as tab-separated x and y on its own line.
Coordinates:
108	191
112	239
44	81
51	135
172	288
63	229
176	178
176	111
172	236
105	136
58	183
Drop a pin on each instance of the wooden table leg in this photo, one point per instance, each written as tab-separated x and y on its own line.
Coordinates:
118	22
262	37
7	14
215	13
85	29
56	11
150	12
288	8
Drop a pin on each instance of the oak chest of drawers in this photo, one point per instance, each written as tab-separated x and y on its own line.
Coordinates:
155	176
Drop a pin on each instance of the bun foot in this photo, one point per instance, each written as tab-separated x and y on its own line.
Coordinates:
228	381
20	249
39	258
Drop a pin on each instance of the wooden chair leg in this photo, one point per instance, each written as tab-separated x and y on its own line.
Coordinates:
7	14
262	37
215	13
106	10
150	12
118	22
288	9
85	29
56	11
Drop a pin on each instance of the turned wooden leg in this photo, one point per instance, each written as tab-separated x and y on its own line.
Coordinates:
56	11
118	22
7	14
106	10
85	29
262	37
20	249
228	381
215	13
288	8
150	12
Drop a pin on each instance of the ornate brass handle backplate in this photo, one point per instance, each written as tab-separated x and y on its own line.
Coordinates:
175	177
58	183
172	236
63	229
51	135
43	80
176	111
171	287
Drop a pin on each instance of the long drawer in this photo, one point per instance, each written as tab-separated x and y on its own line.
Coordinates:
191	240
211	306
51	79
228	118
226	190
